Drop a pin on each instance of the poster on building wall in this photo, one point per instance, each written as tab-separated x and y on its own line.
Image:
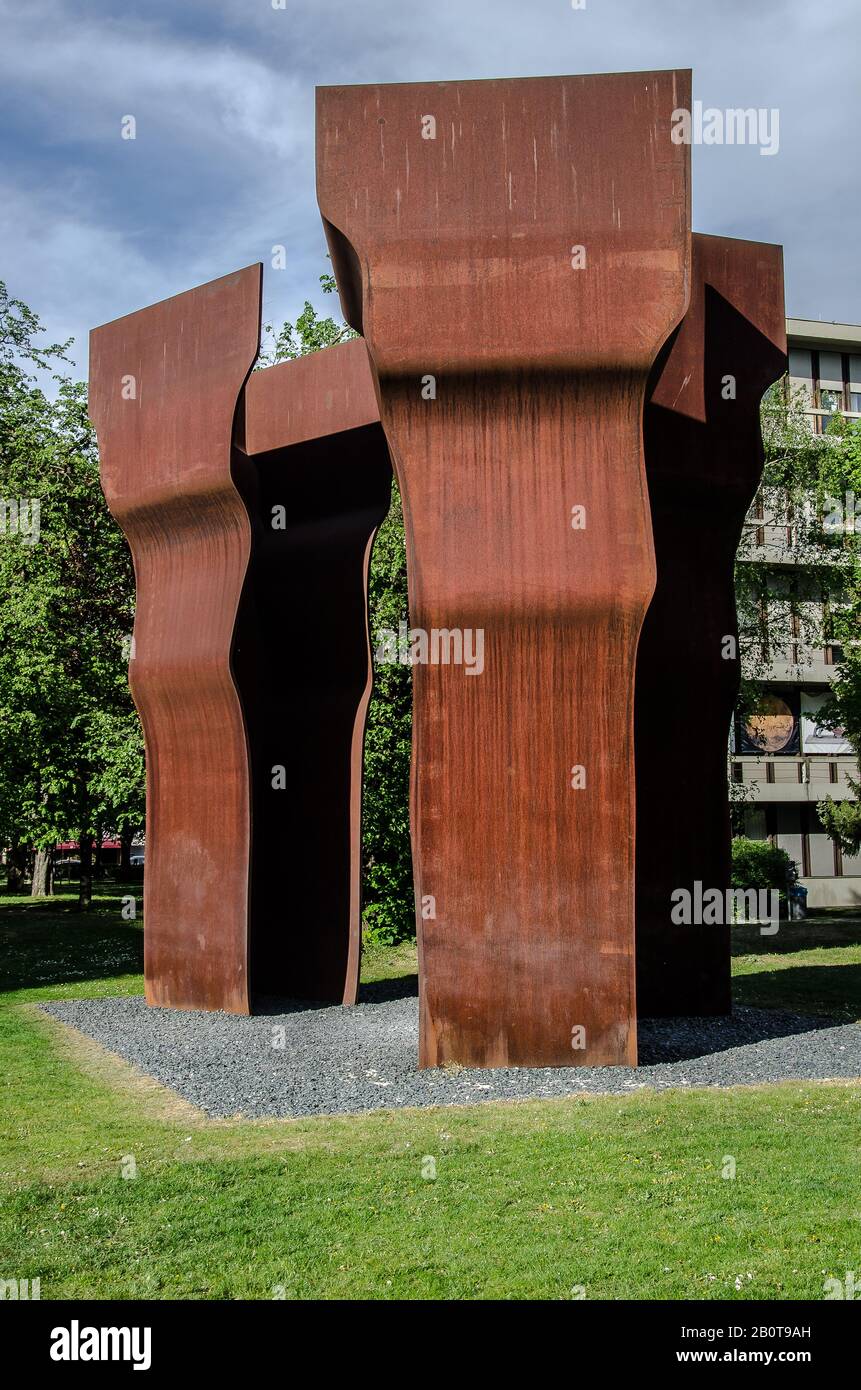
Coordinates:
773	726
815	738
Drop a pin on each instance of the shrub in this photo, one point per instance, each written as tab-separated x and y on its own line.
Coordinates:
389	908
760	864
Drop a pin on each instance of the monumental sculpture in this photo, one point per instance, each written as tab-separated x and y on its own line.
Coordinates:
542	360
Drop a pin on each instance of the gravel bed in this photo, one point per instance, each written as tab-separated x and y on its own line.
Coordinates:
345	1061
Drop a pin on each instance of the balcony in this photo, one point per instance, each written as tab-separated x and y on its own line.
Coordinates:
802	778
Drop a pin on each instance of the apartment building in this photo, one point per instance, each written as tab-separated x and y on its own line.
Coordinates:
782	761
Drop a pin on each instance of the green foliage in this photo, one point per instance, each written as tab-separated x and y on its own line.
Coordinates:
842	479
803	474
842	821
845	706
70	745
309	333
760	864
812	485
389	911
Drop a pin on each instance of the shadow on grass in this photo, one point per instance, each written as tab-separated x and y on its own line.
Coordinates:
49	942
107	901
831	929
832	991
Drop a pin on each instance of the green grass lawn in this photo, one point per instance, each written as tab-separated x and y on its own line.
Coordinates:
531	1200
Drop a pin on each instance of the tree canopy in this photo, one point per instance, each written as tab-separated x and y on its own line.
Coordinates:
71	751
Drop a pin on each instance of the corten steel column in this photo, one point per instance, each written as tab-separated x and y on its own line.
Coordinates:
704	459
317	485
251	646
164	384
511	386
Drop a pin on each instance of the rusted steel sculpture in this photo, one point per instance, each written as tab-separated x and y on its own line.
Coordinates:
704	459
237	621
565	425
515	274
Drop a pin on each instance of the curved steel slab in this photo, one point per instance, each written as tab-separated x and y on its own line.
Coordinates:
303	661
312	397
164	384
454	256
251	641
704	459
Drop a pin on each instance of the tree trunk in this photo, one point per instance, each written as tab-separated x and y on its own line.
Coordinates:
85	895
43	874
16	868
125	867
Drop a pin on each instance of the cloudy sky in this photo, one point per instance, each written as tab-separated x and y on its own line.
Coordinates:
93	226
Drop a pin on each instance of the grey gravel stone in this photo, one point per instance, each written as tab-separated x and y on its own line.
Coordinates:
348	1060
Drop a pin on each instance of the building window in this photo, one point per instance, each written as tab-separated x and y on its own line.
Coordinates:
805	842
830	399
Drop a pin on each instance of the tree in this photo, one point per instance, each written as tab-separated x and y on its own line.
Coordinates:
309	333
389	906
809	490
70	744
801	473
842	819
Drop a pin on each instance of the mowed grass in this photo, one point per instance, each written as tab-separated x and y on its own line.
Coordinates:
626	1198
50	950
809	967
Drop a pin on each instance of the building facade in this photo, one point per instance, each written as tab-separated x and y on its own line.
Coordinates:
782	761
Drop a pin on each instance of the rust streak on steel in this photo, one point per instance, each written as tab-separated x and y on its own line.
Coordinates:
455	257
704	459
303	662
164	385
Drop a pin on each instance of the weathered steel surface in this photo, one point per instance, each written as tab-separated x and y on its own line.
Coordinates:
704	459
303	661
454	258
313	397
166	473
